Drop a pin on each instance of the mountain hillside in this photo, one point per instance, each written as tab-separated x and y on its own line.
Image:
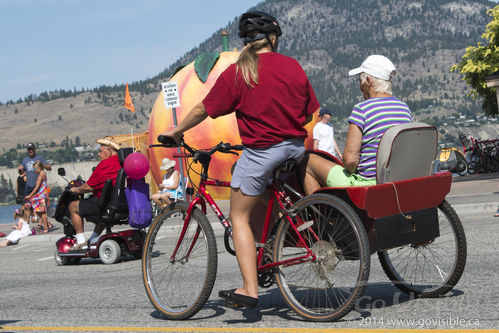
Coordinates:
328	37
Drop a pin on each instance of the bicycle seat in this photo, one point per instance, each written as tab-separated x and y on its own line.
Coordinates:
406	151
286	166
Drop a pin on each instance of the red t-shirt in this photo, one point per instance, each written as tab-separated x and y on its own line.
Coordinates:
270	112
106	169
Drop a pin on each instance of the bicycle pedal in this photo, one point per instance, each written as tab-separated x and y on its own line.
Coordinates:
232	304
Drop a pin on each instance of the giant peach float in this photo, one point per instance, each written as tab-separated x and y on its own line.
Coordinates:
194	81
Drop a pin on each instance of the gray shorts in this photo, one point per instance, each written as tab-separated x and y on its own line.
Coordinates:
254	168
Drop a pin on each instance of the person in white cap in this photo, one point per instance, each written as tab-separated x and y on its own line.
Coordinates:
367	123
170	186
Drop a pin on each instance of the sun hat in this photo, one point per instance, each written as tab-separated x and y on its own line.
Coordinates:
166	164
109	142
323	111
377	66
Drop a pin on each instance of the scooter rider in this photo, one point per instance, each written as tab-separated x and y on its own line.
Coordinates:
88	208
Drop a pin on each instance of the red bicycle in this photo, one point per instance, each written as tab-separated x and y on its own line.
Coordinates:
317	253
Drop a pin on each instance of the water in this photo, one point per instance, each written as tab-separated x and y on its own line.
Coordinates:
7	214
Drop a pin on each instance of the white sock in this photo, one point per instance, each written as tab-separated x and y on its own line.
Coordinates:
80	238
94	237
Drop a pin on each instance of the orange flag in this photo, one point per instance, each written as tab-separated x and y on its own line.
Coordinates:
128	100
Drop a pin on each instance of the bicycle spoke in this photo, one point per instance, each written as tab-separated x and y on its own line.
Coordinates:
433	268
179	286
325	288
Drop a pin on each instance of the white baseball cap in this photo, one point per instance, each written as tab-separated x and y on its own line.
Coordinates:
377	66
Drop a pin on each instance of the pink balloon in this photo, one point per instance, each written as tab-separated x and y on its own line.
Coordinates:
136	165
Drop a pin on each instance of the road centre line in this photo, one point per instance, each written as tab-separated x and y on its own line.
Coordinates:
233	329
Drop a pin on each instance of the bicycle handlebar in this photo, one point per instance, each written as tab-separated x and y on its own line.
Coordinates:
223	147
167	141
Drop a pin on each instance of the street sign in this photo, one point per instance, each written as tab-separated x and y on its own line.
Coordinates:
170	94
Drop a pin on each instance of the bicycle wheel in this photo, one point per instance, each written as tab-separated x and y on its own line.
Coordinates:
461	168
494	165
432	268
328	287
179	285
471	167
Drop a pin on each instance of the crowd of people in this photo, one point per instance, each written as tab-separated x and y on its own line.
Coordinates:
32	194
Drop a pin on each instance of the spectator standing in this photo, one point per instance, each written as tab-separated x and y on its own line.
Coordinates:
28	162
323	134
39	195
20	184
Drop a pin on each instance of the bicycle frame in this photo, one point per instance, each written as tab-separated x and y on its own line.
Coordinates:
203	196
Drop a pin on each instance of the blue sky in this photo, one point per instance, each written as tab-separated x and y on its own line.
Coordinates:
61	44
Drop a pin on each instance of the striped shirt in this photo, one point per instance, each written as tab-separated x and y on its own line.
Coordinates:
374	116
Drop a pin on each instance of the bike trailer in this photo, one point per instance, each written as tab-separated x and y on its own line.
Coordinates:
402	208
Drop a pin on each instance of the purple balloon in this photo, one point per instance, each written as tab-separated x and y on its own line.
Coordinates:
136	165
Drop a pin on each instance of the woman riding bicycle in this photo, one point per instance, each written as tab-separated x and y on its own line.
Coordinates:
273	100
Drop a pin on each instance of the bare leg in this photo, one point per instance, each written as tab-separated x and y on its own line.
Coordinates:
43	217
241	206
314	172
160	199
165	198
74	212
4	243
155	198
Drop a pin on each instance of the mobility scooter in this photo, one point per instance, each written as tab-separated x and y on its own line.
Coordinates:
114	211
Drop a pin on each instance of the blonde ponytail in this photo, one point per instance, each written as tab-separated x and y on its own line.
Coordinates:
248	60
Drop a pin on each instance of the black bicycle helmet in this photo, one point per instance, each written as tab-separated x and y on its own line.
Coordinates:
257	25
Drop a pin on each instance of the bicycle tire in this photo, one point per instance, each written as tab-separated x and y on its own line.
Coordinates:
471	167
494	165
461	168
179	288
342	254
452	241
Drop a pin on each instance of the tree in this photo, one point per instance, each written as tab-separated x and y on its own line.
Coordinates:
480	61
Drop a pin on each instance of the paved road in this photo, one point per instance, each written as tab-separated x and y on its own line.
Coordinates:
37	295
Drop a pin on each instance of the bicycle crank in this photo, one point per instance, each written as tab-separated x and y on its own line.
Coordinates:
266	279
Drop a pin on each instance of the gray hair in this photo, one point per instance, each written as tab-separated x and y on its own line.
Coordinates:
379	85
